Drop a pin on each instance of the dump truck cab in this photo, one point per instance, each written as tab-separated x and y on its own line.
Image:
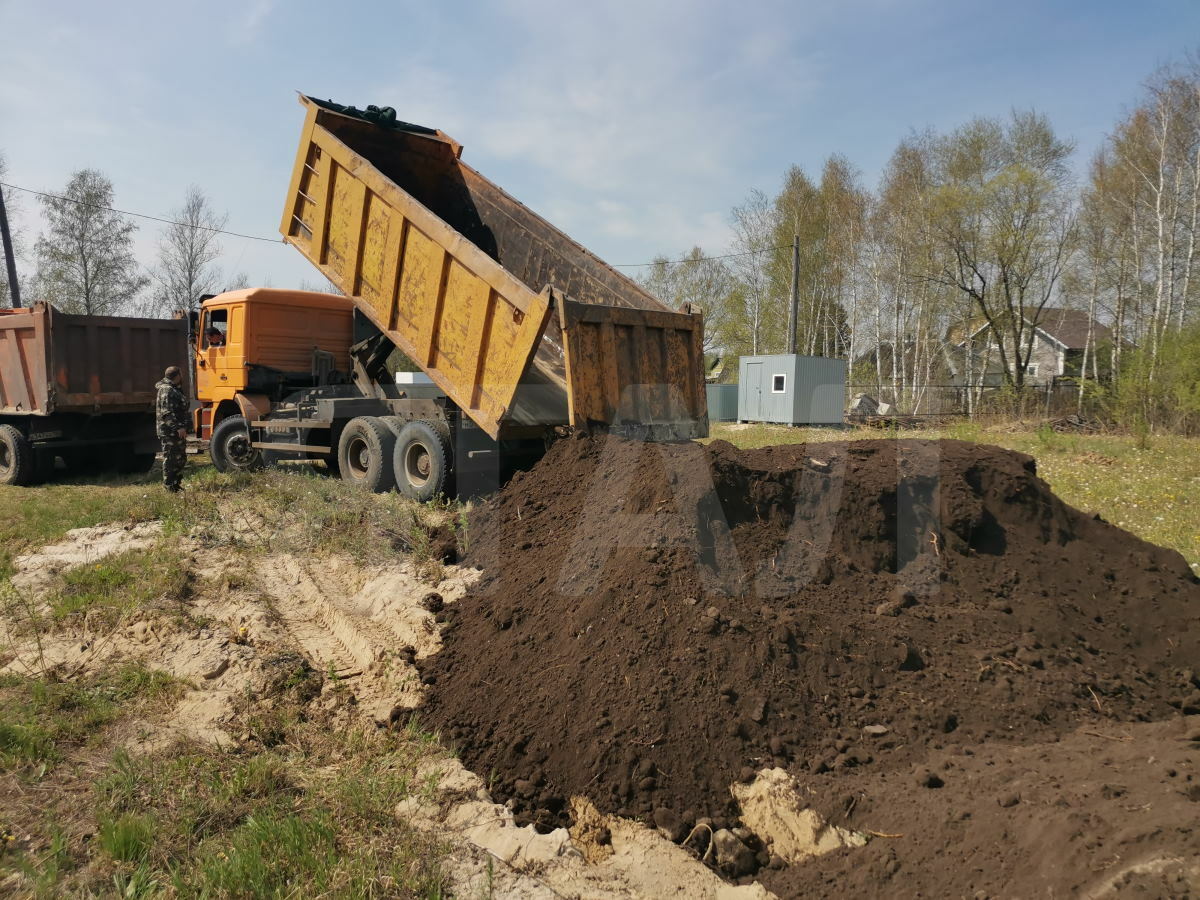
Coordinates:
255	347
284	374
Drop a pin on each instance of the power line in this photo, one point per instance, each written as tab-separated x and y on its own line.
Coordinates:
693	259
255	237
125	212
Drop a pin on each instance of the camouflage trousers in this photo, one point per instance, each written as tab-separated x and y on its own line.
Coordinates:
174	459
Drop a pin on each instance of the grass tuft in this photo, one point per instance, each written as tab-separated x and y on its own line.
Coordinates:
106	591
127	838
40	719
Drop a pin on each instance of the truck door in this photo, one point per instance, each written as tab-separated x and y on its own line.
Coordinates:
212	375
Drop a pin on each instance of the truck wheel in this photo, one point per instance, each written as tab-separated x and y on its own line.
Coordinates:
16	457
365	454
422	460
230	448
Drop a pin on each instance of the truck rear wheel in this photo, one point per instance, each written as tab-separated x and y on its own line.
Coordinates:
422	460
230	448
16	457
365	454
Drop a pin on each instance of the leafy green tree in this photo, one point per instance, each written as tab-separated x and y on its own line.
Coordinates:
85	256
1159	387
1003	216
829	218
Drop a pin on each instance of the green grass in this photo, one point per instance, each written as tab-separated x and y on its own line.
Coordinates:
41	720
302	510
136	580
1153	492
311	813
31	517
313	816
127	838
302	809
292	508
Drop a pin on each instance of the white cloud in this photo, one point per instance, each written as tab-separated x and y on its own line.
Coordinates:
634	122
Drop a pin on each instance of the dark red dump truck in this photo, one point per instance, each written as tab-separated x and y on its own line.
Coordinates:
80	389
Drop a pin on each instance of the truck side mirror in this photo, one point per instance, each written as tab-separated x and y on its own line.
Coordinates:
193	325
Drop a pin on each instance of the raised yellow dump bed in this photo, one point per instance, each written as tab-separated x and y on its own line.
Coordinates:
517	323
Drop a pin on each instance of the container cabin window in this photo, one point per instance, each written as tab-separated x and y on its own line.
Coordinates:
216	324
778	384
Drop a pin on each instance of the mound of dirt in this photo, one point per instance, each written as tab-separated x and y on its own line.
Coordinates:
658	622
1107	811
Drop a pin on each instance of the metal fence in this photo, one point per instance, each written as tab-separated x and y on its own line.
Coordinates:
1052	400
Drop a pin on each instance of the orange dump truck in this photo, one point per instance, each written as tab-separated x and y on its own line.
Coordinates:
80	388
521	332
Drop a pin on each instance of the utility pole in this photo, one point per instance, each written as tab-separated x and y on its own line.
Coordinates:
9	260
794	307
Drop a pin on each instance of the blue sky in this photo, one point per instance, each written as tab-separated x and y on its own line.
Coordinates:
633	126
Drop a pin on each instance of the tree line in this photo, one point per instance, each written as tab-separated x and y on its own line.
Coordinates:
84	260
951	263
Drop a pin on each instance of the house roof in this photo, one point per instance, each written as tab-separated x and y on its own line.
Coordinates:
1068	327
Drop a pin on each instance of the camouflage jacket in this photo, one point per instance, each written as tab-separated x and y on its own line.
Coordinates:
170	409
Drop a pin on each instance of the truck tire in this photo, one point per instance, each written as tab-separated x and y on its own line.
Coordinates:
365	454
16	457
423	461
230	448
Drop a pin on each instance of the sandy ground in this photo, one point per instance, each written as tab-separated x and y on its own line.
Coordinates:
364	628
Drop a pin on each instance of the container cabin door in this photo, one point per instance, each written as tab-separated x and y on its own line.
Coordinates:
754	411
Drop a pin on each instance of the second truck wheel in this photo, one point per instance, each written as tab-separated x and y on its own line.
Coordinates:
422	460
16	457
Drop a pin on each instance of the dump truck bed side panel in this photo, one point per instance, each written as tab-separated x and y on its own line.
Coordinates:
23	362
55	362
468	323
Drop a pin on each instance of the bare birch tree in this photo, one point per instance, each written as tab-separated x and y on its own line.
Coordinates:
758	321
187	255
706	285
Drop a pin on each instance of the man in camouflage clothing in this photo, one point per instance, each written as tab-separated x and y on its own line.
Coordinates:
171	412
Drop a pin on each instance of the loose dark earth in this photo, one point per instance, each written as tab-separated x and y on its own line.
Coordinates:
892	622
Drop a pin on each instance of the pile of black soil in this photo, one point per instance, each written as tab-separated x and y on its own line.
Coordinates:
656	622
